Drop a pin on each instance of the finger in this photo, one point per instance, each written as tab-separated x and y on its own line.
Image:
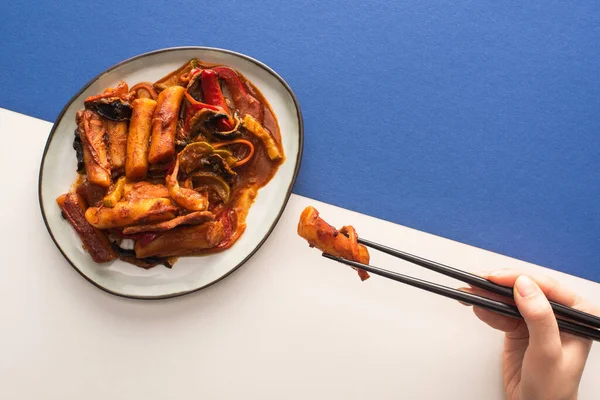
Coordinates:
583	305
553	289
575	346
544	337
497	321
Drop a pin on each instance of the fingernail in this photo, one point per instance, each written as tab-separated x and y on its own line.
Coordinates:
526	286
499	272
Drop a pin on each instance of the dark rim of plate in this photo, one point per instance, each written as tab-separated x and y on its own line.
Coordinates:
283	206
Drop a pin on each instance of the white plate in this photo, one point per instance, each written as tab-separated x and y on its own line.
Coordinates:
57	172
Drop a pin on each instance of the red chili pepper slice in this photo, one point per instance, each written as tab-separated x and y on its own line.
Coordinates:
244	102
211	89
232	80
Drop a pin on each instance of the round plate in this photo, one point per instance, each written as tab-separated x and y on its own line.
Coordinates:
57	173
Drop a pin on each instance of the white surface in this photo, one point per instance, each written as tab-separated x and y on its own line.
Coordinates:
288	324
124	278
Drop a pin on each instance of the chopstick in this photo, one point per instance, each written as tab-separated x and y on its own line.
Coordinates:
469	298
475	280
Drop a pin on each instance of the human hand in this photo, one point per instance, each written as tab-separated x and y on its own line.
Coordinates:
538	361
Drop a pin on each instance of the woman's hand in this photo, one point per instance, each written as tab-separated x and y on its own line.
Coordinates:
538	361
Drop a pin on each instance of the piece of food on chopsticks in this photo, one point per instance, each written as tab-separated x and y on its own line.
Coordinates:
173	165
339	243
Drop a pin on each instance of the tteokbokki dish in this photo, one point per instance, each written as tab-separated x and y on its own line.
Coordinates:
170	168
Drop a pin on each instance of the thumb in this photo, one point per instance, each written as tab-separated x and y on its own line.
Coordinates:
544	337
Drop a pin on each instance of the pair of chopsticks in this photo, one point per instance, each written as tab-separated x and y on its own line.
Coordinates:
579	323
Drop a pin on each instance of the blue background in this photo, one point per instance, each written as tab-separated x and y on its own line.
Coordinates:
474	120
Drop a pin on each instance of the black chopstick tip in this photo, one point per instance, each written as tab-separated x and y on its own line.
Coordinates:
331	257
